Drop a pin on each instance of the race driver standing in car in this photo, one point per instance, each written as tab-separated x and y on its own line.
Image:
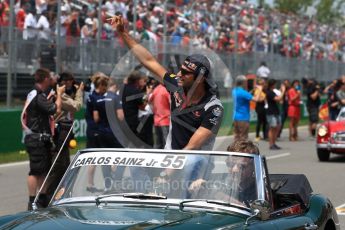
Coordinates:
196	112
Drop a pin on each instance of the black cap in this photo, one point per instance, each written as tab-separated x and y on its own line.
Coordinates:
196	61
199	62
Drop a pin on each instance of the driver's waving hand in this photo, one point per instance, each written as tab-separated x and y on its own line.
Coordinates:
196	112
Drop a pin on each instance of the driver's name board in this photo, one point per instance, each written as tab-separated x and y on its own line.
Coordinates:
131	159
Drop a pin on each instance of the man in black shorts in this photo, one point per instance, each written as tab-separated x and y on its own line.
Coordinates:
313	103
37	124
196	112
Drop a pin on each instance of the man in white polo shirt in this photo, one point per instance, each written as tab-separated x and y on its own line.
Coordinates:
263	71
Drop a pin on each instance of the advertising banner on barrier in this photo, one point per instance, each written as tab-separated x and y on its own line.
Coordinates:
12	136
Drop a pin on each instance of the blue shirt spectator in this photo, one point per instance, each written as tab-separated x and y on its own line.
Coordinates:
241	104
241	115
91	130
176	38
90	106
115	100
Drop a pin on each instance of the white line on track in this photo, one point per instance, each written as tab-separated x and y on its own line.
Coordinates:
341	210
278	156
14	164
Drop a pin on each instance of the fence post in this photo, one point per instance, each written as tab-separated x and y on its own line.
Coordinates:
58	37
236	45
99	31
255	43
10	57
337	55
165	33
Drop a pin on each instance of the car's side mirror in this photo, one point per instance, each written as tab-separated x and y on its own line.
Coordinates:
260	209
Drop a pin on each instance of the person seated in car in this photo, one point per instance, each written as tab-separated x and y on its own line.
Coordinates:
240	182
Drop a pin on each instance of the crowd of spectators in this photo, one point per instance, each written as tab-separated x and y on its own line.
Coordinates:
226	26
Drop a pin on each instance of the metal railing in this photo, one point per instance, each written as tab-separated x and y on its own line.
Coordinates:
84	57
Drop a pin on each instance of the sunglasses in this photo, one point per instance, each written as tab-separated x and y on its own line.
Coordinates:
185	72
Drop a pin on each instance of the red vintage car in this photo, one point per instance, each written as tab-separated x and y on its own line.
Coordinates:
331	137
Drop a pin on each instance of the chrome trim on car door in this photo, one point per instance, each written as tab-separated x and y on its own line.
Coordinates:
310	226
330	146
259	169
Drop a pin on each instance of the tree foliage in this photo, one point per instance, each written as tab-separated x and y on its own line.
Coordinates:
330	11
327	11
292	6
261	3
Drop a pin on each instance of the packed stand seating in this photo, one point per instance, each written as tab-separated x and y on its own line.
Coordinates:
201	24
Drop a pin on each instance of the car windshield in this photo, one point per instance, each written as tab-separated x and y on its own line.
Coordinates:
224	177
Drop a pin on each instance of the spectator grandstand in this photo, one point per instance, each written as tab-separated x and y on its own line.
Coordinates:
229	27
207	24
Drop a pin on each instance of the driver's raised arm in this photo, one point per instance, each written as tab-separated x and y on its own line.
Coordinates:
142	54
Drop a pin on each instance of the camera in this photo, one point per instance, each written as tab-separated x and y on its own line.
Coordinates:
87	85
304	81
67	78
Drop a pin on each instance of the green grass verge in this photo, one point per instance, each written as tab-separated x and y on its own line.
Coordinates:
22	155
224	131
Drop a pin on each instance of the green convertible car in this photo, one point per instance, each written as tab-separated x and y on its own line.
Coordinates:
149	189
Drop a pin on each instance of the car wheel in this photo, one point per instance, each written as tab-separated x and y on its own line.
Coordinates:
323	154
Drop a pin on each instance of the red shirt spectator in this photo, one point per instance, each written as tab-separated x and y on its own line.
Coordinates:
160	100
294	99
72	29
20	18
185	41
4	8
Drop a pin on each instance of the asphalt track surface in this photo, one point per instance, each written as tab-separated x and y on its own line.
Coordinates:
295	157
